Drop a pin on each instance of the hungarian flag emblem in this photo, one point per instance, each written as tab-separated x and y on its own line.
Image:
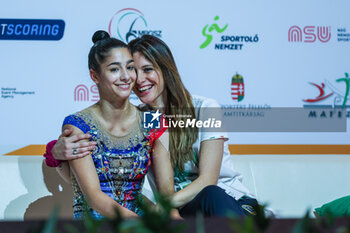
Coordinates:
237	88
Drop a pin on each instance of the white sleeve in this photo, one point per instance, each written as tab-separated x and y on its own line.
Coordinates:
210	109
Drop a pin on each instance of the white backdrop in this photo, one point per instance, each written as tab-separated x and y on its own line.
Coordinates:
276	72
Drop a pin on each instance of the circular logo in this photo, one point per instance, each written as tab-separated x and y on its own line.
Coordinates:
126	24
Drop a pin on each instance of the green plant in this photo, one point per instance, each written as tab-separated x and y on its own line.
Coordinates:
257	223
158	219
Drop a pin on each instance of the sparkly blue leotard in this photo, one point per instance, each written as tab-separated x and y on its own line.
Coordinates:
121	162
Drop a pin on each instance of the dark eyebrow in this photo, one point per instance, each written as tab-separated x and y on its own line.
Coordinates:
118	63
114	63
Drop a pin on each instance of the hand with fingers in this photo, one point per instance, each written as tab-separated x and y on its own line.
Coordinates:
72	147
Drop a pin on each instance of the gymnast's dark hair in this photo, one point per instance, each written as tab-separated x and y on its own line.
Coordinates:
103	44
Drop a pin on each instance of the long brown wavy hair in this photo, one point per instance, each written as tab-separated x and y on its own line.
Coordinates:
177	99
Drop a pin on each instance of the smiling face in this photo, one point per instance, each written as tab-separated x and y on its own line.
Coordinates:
117	75
150	82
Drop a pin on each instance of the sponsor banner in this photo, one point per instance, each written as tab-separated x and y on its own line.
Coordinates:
343	35
130	23
237	88
332	95
317	34
31	29
227	40
299	63
84	93
12	92
309	34
89	93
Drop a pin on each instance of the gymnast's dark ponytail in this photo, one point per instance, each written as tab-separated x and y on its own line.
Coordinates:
103	44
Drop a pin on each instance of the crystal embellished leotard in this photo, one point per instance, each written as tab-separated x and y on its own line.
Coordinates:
121	162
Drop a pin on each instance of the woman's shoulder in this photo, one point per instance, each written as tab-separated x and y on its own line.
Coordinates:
144	108
80	119
79	114
201	101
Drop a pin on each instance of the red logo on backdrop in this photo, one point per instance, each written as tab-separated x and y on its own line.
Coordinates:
309	34
322	94
83	93
237	87
341	97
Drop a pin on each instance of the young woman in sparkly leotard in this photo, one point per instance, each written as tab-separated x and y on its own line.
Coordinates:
112	177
